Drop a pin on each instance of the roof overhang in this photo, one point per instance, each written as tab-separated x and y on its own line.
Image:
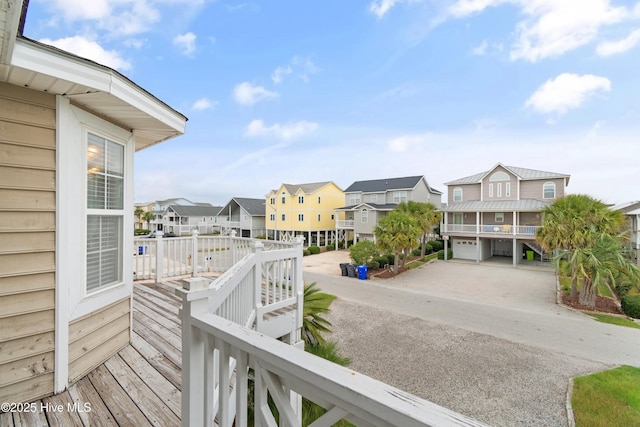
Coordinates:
94	87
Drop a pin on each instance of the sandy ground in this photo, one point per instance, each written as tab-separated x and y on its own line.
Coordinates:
326	262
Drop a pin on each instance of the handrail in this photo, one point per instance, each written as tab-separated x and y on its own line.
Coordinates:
279	369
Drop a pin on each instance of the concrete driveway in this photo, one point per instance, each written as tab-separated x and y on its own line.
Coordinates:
482	339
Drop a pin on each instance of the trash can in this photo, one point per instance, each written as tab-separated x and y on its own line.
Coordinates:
362	272
343	268
529	255
142	250
351	270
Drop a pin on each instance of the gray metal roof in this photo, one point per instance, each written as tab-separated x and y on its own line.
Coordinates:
374	206
522	173
200	210
387	184
254	207
305	188
524	205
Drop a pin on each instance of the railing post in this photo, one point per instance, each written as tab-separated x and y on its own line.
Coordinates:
232	240
194	253
159	256
256	249
299	285
196	407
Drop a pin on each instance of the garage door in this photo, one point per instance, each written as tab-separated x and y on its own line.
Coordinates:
464	249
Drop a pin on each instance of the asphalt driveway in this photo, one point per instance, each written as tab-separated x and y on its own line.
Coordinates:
485	340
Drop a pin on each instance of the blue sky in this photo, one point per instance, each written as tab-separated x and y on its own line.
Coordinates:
301	91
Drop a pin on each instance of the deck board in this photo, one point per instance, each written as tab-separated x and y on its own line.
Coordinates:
141	384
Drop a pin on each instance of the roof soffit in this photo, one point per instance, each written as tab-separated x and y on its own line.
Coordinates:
96	88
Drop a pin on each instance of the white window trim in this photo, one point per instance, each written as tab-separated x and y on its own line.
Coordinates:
453	196
554	190
499	216
490	190
364	216
72	301
507	189
499	189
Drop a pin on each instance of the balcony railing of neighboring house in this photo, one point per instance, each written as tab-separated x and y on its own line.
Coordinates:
345	223
502	229
229	224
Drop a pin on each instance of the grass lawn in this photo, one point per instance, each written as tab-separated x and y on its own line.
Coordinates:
614	320
607	399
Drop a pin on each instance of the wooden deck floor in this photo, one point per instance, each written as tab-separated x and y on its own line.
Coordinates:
138	386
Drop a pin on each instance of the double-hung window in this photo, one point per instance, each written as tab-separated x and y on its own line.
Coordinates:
105	212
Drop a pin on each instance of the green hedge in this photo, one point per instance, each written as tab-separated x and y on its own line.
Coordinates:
449	254
139	231
436	245
331	247
306	252
314	250
631	306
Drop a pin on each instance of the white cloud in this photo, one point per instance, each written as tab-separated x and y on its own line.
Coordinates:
305	66
284	132
279	74
90	49
565	92
552	27
246	93
481	49
186	42
381	7
204	104
135	43
118	18
619	46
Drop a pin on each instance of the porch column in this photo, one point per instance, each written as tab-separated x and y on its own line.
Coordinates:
478	249
515	250
446	241
478	222
515	222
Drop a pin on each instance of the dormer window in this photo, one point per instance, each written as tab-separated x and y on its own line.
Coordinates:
457	194
549	190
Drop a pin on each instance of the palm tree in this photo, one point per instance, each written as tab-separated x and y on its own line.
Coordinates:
148	217
602	264
139	212
576	221
314	325
425	215
397	232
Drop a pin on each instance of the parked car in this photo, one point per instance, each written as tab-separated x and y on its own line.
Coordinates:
154	233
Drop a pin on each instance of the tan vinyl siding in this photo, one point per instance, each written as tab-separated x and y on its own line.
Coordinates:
27	243
469	192
533	189
97	336
513	183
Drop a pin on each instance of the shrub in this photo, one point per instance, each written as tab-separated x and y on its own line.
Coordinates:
314	250
391	259
631	305
436	245
416	252
449	254
373	264
306	252
428	248
139	231
363	252
340	245
331	247
381	260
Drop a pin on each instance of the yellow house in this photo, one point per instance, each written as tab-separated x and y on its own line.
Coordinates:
304	210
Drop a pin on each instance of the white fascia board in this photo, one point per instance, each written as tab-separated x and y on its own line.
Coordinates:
44	60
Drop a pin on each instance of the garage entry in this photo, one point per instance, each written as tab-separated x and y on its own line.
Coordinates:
464	248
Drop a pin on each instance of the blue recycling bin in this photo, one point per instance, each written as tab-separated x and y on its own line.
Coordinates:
362	272
142	250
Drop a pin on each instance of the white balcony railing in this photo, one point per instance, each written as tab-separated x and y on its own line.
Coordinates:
162	257
345	223
280	370
221	324
521	230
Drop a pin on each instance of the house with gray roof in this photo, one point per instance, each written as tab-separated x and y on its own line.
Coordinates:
366	202
631	211
496	213
181	216
244	215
